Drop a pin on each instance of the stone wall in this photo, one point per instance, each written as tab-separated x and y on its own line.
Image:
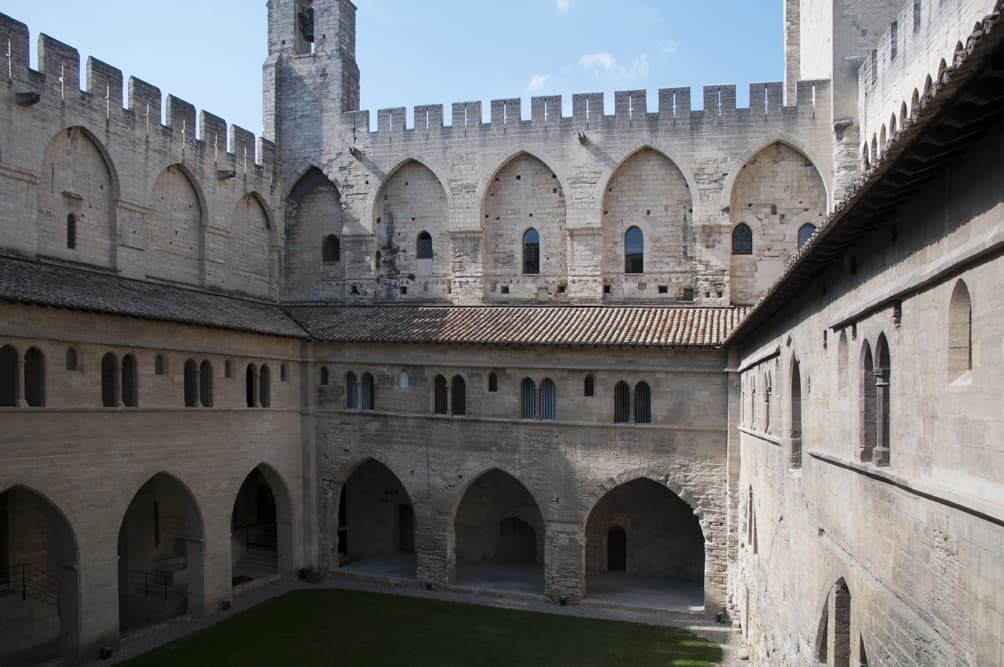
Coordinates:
915	535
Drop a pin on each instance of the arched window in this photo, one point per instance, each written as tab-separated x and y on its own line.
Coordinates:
634	251
71	359
283	373
159	365
742	240
768	390
622	403
842	355
796	415
250	385
264	387
590	386
206	384
867	403
527	399
960	332
440	398
34	378
882	404
110	378
403	381
493	382
805	233
130	381
531	251
424	249
368	398
351	391
458	396
71	231
548	400
8	377
642	403
331	249
324	376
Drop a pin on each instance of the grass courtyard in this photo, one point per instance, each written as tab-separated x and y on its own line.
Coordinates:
334	627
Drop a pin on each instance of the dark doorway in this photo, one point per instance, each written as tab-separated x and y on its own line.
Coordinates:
406	528
616	550
517	541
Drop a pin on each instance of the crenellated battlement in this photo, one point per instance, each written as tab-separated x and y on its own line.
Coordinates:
674	108
136	103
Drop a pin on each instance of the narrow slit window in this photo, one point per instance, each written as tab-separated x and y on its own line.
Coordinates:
351	392
71	231
368	397
264	387
250	385
642	403
493	382
528	399
531	251
130	381
589	388
458	396
440	398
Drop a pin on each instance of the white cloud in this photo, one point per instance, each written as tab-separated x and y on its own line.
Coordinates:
669	46
604	65
639	69
598	63
563	5
537	82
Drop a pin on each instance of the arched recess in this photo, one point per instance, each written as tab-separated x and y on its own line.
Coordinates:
375	526
496	535
78	180
249	253
314	211
411	201
776	192
648	191
960	332
665	545
175	231
261	527
524	193
833	634
161	554
39	572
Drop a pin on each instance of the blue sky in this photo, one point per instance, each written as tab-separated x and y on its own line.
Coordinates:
436	51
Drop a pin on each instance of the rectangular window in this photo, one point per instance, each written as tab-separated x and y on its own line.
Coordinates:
893	40
916	15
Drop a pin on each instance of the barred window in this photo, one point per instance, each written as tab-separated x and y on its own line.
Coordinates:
642	403
351	391
548	400
458	396
622	403
528	399
440	398
368	398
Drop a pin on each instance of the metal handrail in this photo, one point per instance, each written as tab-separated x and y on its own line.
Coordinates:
151	581
31	582
266	535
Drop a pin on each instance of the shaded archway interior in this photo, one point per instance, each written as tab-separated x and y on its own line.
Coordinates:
644	546
376	523
39	613
254	534
160	549
499	536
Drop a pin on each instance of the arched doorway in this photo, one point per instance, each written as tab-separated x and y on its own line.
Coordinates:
160	551
644	544
498	536
39	601
376	523
254	534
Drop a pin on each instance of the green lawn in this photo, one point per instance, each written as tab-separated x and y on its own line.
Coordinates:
344	628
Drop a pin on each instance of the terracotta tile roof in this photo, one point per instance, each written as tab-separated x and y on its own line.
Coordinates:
656	326
62	287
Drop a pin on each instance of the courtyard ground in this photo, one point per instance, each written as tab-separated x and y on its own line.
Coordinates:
346	627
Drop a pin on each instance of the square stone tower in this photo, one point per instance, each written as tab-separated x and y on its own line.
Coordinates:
310	76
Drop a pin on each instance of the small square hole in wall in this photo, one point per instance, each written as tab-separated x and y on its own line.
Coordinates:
663	289
562	288
404	289
505	289
688	294
606	289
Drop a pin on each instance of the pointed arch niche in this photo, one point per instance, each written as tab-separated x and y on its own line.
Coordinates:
175	236
776	193
410	203
249	255
313	214
524	194
650	194
76	215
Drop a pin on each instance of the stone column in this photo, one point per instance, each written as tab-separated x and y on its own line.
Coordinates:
564	562
434	546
